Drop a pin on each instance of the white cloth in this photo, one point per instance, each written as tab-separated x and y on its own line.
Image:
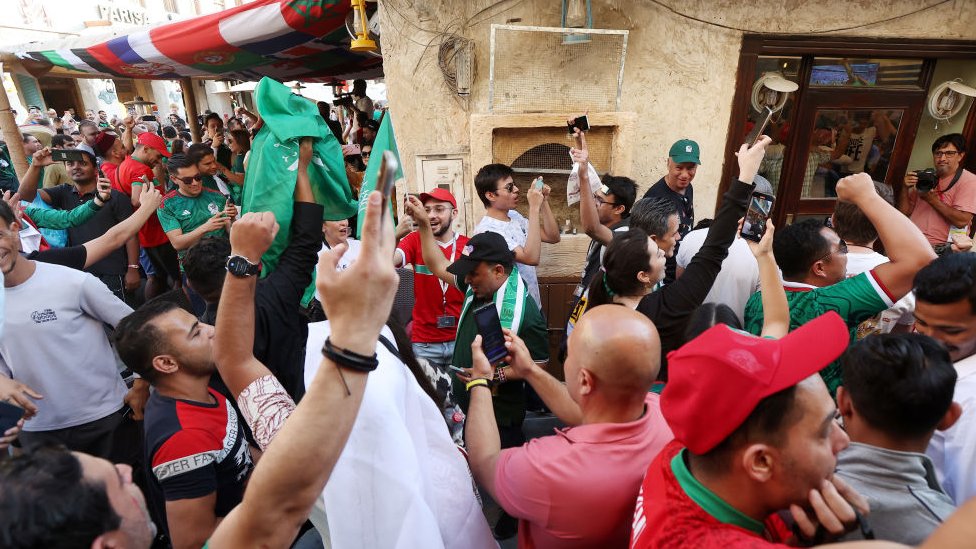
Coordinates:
738	279
903	311
54	341
400	481
515	232
953	451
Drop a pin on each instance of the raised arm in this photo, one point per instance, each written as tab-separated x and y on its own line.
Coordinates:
280	494
908	250
433	257
62	219
28	185
531	252
589	217
776	310
549	229
117	236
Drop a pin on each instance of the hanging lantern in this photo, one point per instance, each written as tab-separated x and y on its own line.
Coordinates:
362	42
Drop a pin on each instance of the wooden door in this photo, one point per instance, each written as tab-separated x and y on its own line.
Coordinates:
843	132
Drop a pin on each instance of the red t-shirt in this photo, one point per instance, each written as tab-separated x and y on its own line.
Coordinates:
109	169
132	171
668	518
428	292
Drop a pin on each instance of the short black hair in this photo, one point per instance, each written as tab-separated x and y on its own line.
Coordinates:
708	315
487	178
6	213
768	422
176	162
955	139
798	246
197	152
46	502
623	189
948	279
213	116
58	141
652	215
205	265
138	341
901	384
169	132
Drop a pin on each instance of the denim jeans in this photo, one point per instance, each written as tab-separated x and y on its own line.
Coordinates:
438	354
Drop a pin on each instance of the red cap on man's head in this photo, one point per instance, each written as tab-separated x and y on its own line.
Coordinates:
152	140
439	194
717	379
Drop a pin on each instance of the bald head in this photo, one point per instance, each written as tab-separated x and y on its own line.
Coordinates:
619	347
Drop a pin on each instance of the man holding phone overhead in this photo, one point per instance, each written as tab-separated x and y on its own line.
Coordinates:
486	274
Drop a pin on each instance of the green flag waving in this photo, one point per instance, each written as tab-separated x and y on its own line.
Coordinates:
385	141
269	181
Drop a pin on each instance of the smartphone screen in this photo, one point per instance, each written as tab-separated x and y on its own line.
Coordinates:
490	328
754	225
758	129
9	416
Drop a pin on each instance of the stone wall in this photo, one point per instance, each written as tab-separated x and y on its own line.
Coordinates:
679	76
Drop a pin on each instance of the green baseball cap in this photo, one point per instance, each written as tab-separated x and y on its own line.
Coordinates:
684	150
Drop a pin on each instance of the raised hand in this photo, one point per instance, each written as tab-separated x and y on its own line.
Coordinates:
856	187
536	197
750	158
43	158
358	300
416	210
253	234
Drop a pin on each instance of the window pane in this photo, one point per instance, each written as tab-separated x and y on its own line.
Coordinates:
846	142
788	68
829	72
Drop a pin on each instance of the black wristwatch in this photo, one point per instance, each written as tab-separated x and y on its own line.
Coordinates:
241	267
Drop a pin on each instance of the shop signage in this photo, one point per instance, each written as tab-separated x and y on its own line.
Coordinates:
123	14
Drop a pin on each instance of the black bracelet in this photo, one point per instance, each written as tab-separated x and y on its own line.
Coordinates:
348	359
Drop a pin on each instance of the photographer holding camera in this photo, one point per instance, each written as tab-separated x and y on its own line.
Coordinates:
944	198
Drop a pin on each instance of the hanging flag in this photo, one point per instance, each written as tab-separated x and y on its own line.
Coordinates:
385	141
269	182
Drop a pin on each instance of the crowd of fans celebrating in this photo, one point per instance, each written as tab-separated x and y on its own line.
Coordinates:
812	386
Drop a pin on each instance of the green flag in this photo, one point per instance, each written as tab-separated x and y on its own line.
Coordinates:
385	141
269	182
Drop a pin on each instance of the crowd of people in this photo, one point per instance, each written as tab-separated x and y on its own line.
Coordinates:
162	386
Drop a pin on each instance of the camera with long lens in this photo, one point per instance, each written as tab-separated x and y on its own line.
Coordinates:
343	100
927	180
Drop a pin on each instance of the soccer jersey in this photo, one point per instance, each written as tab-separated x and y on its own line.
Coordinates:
131	173
186	213
855	299
433	298
676	511
195	449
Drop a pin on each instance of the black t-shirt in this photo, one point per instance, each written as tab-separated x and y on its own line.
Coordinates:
119	208
684	202
594	258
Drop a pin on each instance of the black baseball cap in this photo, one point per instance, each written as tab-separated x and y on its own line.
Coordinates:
487	247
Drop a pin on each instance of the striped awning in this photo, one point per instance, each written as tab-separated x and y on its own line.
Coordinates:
284	39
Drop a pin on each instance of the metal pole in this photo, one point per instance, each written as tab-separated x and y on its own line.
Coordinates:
11	134
189	101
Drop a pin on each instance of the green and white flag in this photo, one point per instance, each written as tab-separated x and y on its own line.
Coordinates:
385	141
269	182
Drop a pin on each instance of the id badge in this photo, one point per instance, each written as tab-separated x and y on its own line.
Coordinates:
446	321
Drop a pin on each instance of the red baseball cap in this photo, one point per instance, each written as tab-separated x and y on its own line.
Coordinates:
152	140
716	380
439	194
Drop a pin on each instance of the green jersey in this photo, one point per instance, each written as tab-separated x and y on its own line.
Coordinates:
855	299
509	397
187	213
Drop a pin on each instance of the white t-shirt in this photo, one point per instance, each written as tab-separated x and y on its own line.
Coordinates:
400	480
903	311
953	451
54	341
738	279
515	232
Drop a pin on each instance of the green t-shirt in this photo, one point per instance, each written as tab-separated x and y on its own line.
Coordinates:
187	213
509	397
855	299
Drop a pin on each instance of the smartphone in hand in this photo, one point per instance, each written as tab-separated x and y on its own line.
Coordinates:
9	416
492	337
754	225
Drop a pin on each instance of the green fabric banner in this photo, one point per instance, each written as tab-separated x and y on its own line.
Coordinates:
269	183
385	141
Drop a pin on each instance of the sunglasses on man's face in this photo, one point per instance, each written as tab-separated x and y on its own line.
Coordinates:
189	180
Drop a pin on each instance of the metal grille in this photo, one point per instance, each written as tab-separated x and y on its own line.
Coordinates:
553	69
545	151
